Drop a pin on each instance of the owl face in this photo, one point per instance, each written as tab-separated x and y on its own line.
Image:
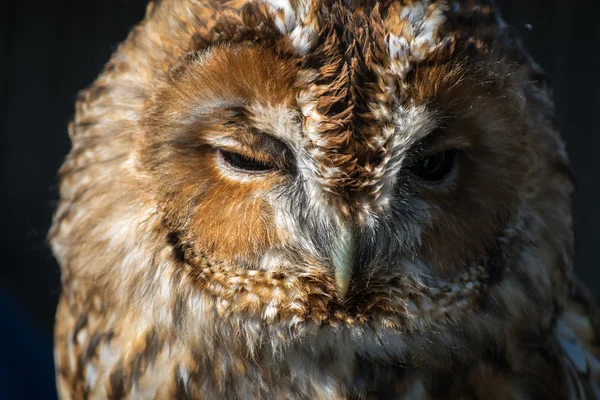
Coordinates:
358	152
284	189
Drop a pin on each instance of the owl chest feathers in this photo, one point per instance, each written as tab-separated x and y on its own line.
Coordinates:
101	354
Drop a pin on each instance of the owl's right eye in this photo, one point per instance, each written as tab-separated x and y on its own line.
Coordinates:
243	163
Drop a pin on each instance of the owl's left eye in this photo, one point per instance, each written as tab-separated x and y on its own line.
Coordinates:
243	163
434	167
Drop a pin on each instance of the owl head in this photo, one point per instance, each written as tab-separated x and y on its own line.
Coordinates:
369	166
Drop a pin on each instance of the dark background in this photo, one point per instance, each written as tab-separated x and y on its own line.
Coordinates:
50	50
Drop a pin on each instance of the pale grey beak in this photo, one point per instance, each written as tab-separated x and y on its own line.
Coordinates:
342	257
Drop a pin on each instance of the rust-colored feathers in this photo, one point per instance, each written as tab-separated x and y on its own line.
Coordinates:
329	199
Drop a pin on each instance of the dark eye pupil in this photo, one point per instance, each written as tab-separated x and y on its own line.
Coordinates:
434	167
243	162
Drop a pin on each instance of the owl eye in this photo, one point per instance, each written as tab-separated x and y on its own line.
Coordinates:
243	163
434	167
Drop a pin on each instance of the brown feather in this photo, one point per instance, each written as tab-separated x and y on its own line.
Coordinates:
186	277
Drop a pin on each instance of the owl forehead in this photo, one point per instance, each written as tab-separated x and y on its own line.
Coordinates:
351	96
404	32
354	59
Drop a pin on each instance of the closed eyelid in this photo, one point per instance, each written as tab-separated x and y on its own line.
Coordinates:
447	143
245	138
256	145
224	141
443	139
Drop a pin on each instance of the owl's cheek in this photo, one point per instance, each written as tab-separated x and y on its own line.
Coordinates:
234	227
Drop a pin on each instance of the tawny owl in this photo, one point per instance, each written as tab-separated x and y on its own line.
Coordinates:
320	199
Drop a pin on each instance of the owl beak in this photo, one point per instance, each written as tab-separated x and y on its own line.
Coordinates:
342	281
342	257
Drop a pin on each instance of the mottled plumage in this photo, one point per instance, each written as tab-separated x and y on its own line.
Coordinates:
320	199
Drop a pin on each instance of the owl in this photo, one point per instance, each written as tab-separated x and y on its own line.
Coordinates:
320	199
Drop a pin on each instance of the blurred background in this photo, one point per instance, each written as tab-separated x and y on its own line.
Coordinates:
50	50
